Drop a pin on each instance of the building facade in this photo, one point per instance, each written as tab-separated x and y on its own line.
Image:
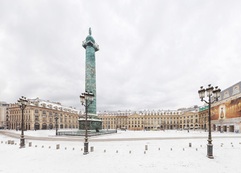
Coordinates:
3	115
151	120
203	117
226	113
40	114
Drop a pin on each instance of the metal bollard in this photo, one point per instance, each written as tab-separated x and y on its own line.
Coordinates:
57	146
30	144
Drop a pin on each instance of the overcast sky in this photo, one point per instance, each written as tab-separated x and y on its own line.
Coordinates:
154	54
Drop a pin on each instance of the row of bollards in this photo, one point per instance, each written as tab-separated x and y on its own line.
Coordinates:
146	147
11	142
145	151
91	148
58	147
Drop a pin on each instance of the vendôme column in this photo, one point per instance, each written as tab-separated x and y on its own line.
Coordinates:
90	74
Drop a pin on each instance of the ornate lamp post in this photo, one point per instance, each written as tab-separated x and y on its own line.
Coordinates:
56	123
7	122
86	99
164	125
35	123
116	126
205	123
210	91
188	125
22	104
160	124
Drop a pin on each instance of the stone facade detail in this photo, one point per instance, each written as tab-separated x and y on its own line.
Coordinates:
151	120
3	115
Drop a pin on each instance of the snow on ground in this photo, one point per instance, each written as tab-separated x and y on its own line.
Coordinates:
166	156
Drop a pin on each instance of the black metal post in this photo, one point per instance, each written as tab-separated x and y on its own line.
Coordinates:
56	125
22	104
205	127
86	99
188	125
7	123
35	123
22	140
209	145
216	94
86	143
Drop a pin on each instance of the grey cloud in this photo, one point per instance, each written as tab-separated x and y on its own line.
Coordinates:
152	55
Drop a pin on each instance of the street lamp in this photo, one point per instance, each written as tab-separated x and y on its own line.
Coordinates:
116	126
56	123
205	123
164	125
188	125
7	121
210	91
86	99
160	124
35	123
22	102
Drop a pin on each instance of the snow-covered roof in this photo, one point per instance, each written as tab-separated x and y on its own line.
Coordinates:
52	105
144	112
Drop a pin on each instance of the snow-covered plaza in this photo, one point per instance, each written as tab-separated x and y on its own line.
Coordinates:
125	151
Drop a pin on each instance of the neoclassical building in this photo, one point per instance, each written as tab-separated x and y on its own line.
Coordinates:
3	115
225	116
40	114
151	120
226	113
